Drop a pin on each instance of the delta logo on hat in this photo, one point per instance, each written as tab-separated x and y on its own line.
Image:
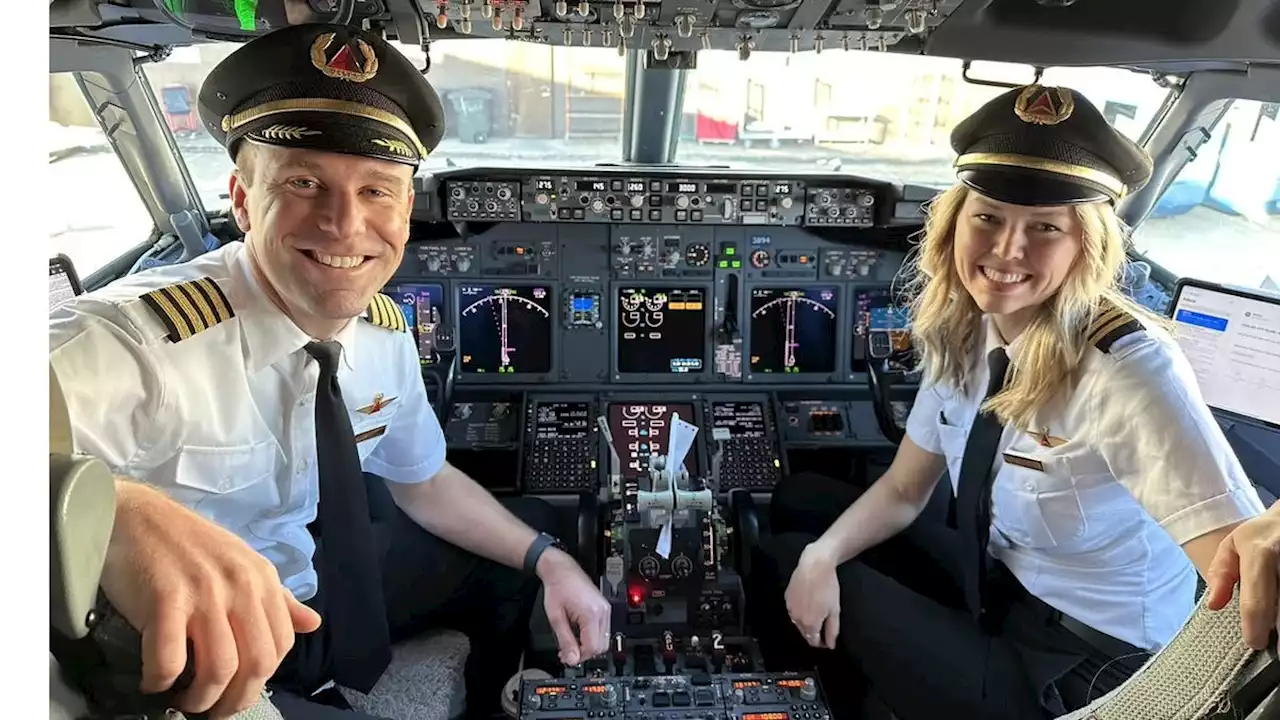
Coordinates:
353	60
1044	105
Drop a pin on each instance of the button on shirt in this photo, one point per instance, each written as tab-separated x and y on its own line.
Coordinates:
224	421
1089	508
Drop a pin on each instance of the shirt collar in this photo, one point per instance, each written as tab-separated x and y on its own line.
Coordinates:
992	340
269	334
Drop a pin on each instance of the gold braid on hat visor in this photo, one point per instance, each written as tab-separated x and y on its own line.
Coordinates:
1098	177
322	105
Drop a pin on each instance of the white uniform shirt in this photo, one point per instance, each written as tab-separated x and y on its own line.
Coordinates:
1090	511
224	421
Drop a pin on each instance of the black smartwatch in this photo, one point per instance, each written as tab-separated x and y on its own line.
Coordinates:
539	546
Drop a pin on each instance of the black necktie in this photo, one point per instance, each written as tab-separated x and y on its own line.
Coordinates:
350	581
973	498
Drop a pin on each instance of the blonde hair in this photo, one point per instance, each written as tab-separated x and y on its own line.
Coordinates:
945	320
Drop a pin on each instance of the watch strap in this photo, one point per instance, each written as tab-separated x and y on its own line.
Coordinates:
539	546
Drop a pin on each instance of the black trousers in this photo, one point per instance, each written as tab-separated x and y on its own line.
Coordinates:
430	584
905	633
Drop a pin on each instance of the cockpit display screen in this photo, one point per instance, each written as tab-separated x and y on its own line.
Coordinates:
423	307
741	419
639	429
556	420
793	330
881	331
504	329
661	330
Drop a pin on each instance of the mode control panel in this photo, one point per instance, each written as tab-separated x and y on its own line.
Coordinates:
840	206
487	200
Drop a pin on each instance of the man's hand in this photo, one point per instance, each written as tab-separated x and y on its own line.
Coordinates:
572	602
173	574
1250	555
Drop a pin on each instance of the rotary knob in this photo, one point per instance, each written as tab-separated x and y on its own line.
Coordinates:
433	264
463	263
808	692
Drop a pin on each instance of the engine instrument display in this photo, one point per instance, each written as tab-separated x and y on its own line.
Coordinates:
793	330
882	332
423	307
639	429
504	329
661	330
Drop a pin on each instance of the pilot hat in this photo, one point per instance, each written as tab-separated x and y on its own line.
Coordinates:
323	87
1045	145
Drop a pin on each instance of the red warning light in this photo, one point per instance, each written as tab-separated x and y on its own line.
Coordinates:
635	596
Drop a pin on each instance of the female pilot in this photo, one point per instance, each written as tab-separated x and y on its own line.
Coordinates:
1091	480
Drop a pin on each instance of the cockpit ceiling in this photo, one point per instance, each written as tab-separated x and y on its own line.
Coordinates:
1163	35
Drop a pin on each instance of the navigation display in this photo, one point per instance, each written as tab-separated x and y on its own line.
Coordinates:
423	306
793	331
881	332
63	283
555	420
1233	343
661	330
741	419
504	329
641	428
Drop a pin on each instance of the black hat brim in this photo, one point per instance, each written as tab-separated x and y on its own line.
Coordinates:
1028	187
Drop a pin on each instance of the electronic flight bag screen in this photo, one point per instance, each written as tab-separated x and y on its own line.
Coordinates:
793	331
661	329
423	307
504	329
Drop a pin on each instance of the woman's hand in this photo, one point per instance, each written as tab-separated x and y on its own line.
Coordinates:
813	597
1250	555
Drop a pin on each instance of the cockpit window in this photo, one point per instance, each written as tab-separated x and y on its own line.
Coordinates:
506	104
99	226
882	115
1219	220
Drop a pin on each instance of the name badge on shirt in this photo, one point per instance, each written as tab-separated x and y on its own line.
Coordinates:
370	434
1026	462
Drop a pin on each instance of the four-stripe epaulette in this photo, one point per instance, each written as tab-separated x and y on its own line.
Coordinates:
189	307
385	312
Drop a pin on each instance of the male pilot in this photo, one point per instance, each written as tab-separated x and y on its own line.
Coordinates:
240	395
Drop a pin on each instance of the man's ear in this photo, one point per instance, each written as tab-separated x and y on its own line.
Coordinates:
239	191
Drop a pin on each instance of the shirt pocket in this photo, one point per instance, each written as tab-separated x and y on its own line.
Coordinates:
953	438
1047	511
230	485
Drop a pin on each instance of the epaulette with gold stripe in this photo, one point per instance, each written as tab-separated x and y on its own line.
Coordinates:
1111	324
190	307
385	312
